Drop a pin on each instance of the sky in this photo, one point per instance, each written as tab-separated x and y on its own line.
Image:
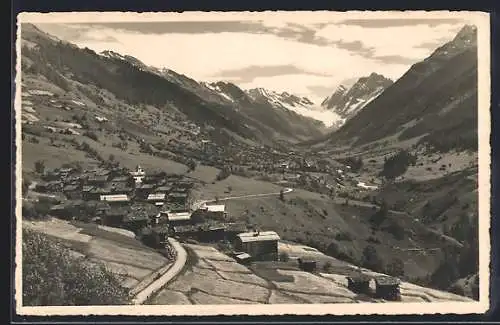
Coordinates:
308	58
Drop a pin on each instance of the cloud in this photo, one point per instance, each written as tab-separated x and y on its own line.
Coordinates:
398	43
306	58
397	22
249	73
76	33
183	27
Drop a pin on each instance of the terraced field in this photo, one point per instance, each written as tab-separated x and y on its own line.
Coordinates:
123	255
211	277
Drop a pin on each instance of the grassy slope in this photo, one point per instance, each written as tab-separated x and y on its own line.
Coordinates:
54	277
120	254
313	219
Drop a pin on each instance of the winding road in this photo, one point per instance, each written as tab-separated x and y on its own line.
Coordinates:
181	257
198	204
171	273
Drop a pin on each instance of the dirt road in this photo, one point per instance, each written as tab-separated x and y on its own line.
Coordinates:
171	273
198	204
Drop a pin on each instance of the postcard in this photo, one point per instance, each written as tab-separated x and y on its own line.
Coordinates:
252	163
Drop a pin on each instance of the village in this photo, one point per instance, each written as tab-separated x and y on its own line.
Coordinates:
189	145
157	205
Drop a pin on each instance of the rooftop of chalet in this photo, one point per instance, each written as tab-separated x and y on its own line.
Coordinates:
258	236
115	198
178	216
215	208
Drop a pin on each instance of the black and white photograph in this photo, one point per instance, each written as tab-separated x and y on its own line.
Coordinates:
197	163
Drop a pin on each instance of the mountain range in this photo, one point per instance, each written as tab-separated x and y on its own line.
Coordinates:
434	101
134	82
347	102
154	115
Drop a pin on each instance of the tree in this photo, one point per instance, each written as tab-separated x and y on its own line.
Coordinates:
191	165
327	266
397	230
445	274
224	173
396	267
378	217
282	195
25	186
397	165
40	166
371	260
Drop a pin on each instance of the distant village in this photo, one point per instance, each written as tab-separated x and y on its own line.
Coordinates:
157	205
153	205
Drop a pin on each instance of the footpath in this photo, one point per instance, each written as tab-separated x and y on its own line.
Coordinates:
171	272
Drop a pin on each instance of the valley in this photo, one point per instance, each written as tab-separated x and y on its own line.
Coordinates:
391	189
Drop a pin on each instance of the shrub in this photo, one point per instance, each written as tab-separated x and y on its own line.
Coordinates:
343	236
223	174
284	257
397	164
334	250
282	195
371	260
91	135
396	267
356	163
373	239
191	165
39	166
53	277
396	230
25	186
379	217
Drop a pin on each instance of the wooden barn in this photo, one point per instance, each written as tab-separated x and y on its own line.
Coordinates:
262	246
387	288
359	283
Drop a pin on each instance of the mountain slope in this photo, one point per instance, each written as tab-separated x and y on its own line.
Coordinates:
348	102
435	99
278	112
131	81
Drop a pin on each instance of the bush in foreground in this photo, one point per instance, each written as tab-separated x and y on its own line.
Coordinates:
53	277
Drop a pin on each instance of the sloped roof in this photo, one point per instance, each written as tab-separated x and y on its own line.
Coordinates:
156	196
359	277
387	280
216	208
115	198
258	236
178	216
243	256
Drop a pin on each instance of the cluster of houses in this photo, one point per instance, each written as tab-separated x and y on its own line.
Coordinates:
115	196
158	202
157	205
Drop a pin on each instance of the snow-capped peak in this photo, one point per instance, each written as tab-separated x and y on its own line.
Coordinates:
300	105
348	102
222	89
112	55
